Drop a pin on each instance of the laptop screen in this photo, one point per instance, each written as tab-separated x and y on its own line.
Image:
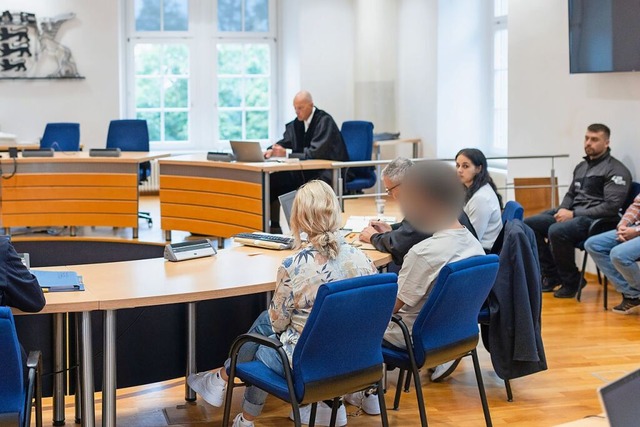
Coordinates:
620	400
286	201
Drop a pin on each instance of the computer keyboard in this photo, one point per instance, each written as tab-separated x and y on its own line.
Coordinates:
265	240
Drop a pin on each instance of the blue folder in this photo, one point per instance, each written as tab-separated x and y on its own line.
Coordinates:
59	281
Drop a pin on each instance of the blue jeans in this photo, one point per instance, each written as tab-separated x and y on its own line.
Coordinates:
254	398
618	261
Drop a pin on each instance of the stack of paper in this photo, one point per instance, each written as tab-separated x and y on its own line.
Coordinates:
358	223
59	281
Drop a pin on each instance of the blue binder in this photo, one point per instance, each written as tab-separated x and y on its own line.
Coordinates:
59	281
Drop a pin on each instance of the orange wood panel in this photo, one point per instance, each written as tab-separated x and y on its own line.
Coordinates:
534	200
181	197
72	180
75	219
70	206
226	216
69	193
205	227
211	185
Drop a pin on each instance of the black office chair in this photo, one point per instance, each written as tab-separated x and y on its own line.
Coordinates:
132	135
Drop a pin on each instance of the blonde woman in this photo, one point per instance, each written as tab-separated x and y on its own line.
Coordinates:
325	257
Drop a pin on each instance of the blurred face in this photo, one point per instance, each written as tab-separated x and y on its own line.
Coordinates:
595	144
303	108
392	188
420	210
466	170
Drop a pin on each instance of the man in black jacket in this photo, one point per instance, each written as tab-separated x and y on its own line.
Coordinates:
599	188
313	134
398	239
18	287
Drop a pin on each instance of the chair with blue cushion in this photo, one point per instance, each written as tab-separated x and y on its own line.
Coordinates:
339	350
16	397
447	326
358	138
61	136
602	225
512	210
132	135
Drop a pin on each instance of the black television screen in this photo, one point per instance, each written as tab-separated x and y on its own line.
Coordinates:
604	35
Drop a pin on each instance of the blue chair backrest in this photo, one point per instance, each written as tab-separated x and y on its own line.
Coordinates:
343	334
61	136
358	137
450	314
128	135
633	193
12	397
512	210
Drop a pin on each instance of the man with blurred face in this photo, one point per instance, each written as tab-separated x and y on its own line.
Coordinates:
600	186
313	134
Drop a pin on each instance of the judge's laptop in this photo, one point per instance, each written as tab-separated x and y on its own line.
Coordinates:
268	240
620	400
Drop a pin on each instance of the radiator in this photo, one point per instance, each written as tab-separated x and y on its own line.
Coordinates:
152	184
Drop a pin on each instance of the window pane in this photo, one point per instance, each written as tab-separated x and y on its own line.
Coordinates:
148	58
176	93
230	92
256	15
229	58
176	59
153	123
230	125
257	59
147	14
148	92
500	7
176	15
500	49
230	15
257	125
257	92
176	126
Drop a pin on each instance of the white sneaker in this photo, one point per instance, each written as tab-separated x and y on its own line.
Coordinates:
209	386
323	415
239	421
443	371
365	400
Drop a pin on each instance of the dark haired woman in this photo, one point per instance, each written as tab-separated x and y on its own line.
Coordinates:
483	204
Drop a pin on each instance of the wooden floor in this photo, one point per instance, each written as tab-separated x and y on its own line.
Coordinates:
586	347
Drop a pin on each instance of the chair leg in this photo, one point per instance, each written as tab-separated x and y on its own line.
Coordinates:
582	271
312	416
297	421
507	386
483	395
421	405
227	401
396	401
599	275
383	405
334	412
407	383
606	293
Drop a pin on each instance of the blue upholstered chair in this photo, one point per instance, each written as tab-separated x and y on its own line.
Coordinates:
16	397
339	351
132	135
358	137
447	326
61	136
512	210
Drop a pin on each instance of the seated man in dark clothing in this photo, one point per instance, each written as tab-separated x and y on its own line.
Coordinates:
599	188
18	287
313	134
398	239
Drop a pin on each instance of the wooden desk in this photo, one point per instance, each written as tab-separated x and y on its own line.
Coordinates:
72	189
114	286
19	146
217	198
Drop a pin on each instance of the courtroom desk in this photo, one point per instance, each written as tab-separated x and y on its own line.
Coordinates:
218	198
72	189
19	146
232	272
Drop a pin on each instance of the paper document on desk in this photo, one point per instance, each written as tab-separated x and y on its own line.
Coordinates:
358	223
59	281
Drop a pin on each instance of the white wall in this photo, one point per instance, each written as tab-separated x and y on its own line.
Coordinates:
26	106
549	109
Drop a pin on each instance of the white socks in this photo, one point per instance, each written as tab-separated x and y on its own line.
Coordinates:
242	422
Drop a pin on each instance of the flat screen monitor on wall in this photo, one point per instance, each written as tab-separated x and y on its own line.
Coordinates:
604	35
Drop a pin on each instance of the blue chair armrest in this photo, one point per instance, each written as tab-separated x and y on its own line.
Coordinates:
397	319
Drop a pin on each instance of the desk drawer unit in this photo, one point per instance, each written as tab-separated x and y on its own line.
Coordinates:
71	194
212	201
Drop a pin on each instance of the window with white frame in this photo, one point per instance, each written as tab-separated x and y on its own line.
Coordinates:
201	73
500	75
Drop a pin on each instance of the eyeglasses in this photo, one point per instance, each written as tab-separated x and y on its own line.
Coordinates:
390	190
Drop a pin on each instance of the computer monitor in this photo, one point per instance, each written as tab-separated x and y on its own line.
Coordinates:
286	201
620	400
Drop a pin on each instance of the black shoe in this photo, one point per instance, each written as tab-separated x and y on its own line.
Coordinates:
549	285
569	291
627	306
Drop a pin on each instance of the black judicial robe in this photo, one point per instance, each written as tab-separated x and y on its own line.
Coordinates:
322	141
